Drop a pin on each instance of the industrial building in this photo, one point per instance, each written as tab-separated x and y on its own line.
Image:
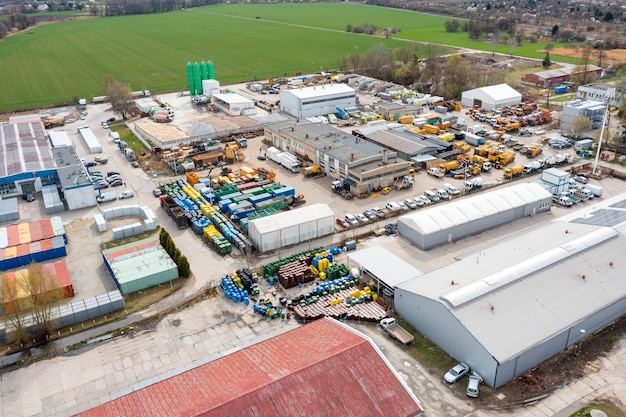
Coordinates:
446	223
505	308
291	227
383	267
139	265
491	97
405	143
572	110
553	77
361	164
605	93
27	163
321	369
233	104
318	100
392	111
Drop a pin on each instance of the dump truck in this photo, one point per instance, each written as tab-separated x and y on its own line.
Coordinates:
461	146
534	150
513	172
404	182
312	171
174	211
505	158
396	331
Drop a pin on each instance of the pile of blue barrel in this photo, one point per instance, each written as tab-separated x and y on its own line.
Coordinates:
336	285
233	291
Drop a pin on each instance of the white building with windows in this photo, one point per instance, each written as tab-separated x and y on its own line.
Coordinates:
601	92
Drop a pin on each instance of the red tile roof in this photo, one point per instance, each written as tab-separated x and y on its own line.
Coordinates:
320	369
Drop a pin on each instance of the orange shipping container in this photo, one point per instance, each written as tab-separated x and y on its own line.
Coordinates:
24	232
13	236
192	178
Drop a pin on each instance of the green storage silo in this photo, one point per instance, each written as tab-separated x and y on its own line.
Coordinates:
211	70
205	70
197	79
190	84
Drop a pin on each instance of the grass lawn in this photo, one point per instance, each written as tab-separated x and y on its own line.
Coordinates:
50	64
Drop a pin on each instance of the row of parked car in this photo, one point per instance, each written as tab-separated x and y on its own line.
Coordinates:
113	179
457	372
444	193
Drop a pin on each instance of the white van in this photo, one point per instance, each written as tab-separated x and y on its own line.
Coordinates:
433	196
393	206
443	194
126	194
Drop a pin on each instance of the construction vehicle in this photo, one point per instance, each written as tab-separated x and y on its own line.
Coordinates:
404	182
312	171
50	122
337	187
394	330
174	211
473	184
513	172
473	139
534	150
448	166
461	146
511	127
505	158
533	166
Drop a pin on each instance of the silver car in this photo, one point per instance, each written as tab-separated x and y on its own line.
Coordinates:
473	386
455	373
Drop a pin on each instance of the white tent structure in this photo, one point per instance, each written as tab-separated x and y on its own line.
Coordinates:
491	97
468	216
291	227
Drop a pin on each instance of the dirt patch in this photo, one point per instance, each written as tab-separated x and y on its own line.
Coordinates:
612	55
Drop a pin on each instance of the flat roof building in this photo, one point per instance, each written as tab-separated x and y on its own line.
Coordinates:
318	100
362	164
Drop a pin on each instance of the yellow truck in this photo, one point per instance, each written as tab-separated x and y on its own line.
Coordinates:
312	171
513	172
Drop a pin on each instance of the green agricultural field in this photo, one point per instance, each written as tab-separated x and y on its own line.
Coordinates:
52	63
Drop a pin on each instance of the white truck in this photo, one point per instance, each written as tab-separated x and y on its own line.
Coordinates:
273	154
396	331
290	162
436	172
473	184
595	189
533	166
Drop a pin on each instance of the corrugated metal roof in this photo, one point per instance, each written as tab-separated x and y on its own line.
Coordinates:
453	214
320	369
534	283
25	147
385	265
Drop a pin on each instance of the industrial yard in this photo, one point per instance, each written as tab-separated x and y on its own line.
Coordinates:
271	210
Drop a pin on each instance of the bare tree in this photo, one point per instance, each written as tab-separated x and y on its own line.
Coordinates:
13	309
513	44
44	291
118	93
585	58
578	126
495	41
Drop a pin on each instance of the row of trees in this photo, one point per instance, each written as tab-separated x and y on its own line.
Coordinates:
15	22
124	7
445	76
181	261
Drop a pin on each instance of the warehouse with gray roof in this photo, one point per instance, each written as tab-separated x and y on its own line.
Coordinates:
317	101
449	222
506	308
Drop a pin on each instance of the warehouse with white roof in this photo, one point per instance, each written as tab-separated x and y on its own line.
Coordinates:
446	223
318	100
491	97
291	227
508	307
